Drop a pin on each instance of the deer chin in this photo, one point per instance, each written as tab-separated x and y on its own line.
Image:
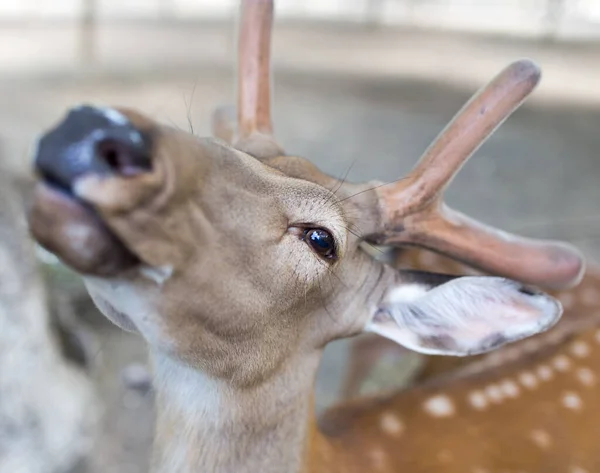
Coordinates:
72	230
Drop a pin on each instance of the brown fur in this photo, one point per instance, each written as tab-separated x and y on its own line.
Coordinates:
236	306
237	325
539	430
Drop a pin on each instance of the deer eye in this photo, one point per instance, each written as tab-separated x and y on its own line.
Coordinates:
321	241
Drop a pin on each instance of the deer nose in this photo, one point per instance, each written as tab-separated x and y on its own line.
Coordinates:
92	140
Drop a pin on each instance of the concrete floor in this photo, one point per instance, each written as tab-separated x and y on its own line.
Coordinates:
537	175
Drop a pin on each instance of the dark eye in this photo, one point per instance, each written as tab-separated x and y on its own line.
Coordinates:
321	242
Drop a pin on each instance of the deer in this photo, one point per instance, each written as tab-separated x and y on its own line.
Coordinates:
238	263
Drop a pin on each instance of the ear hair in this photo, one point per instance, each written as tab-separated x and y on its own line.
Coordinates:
460	316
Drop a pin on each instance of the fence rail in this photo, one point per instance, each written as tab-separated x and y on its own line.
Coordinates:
511	16
550	19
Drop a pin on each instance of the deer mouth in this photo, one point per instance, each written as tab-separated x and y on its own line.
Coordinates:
73	231
88	142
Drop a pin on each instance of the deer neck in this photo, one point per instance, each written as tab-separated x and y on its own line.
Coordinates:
205	424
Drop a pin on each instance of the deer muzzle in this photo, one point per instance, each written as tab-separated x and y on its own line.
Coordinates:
89	143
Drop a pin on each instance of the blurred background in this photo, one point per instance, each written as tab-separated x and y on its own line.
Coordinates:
361	88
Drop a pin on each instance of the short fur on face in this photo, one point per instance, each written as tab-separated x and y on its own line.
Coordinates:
227	281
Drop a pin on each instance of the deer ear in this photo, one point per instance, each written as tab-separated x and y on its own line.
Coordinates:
445	315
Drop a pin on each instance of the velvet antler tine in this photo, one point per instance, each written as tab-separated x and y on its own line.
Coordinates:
546	263
413	211
467	131
254	127
254	93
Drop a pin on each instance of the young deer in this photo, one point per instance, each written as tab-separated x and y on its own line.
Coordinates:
238	264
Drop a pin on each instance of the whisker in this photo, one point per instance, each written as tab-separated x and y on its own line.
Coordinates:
341	181
189	107
373	188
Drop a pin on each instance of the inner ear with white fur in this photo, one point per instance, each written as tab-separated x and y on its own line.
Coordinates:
460	316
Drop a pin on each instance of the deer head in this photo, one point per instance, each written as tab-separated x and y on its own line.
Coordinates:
231	257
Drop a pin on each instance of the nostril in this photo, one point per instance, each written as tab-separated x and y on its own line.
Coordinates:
122	158
110	153
91	141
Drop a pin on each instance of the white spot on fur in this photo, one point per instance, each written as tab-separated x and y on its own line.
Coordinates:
439	406
544	372
580	349
478	400
391	424
541	438
494	393
158	274
561	363
572	401
528	380
586	376
510	388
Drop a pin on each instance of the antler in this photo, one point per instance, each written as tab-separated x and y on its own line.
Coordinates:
412	209
254	127
414	213
254	88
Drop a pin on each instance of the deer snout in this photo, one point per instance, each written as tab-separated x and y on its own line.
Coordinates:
92	141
